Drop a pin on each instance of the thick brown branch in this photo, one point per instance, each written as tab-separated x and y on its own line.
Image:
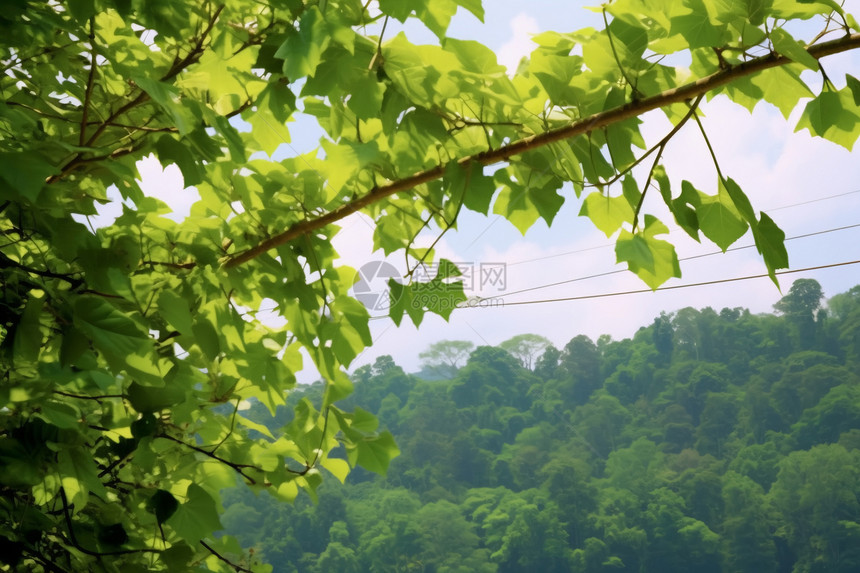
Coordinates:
627	111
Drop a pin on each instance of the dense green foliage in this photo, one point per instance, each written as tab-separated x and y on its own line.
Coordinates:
126	349
711	441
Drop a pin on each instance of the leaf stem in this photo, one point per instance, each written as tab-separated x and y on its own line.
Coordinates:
635	91
88	93
710	147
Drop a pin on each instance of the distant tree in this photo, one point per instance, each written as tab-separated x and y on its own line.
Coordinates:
444	358
662	333
748	545
687	331
526	348
816	495
801	306
843	304
580	361
546	366
803	299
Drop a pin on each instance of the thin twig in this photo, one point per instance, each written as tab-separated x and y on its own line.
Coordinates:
90	81
238	468
87	397
224	559
82	549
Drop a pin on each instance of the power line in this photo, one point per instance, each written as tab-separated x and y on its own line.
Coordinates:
814	200
604	246
674	287
691	257
619	271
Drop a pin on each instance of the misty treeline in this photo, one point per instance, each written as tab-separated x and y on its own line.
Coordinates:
710	441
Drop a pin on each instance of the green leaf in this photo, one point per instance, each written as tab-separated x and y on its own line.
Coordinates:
364	421
719	220
25	173
791	48
145	426
162	504
607	213
435	14
82	10
782	87
402	303
275	104
28	333
339	468
148	399
185	115
440	295
344	161
172	151
854	86
197	517
18	468
303	49
375	453
338	387
234	141
206	337
177	556
697	28
629	37
793	9
122	341
366	99
526	196
770	242
175	309
739	199
831	115
653	260
79	476
61	415
684	209
471	184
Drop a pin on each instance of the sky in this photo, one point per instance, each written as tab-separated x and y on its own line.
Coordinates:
807	185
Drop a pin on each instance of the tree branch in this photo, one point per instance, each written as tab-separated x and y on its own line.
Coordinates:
74	540
598	120
141	97
238	468
235	566
75	283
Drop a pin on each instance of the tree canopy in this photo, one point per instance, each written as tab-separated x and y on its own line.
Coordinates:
742	459
129	352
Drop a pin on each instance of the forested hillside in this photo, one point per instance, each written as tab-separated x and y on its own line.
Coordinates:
711	441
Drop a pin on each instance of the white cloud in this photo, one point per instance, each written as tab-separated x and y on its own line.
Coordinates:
523	27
